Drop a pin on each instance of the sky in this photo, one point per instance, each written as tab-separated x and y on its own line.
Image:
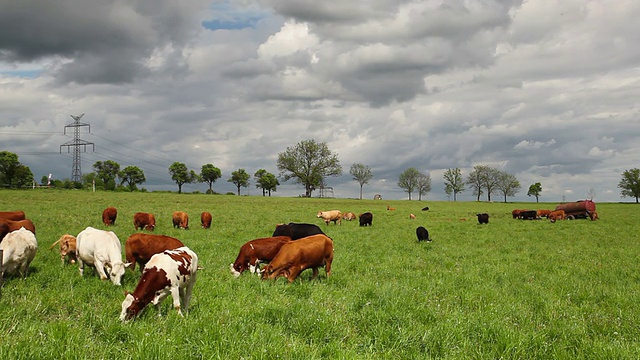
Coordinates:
548	91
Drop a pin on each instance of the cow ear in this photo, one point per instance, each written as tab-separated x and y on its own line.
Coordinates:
127	264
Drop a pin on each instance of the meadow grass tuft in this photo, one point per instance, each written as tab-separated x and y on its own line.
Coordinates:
509	289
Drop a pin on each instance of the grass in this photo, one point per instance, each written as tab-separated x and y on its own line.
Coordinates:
511	289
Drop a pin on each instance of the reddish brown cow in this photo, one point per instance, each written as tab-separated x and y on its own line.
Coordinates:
7	226
205	220
140	247
109	216
67	248
349	216
294	257
180	220
516	213
556	215
12	215
144	221
544	213
255	251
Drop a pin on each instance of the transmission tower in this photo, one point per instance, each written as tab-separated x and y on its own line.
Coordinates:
76	143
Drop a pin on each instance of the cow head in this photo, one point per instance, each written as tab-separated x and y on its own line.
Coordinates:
130	307
116	271
235	270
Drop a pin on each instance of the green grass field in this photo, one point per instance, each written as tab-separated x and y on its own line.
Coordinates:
511	289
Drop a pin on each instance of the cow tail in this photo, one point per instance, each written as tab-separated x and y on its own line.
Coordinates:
54	244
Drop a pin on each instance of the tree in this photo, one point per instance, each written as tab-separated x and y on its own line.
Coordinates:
308	163
107	171
453	183
22	177
535	190
210	174
486	177
131	175
181	175
408	180
630	183
240	178
508	184
8	164
424	185
266	181
362	174
474	180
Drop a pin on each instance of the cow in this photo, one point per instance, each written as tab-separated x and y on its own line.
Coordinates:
146	221
205	219
101	249
13	215
543	213
556	215
109	216
426	208
483	218
311	252
366	219
180	220
68	248
391	208
422	234
7	226
349	216
18	250
297	230
171	272
255	251
594	216
412	217
331	215
516	213
140	247
528	214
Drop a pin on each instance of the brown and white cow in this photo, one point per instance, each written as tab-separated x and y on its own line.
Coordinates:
18	250
7	226
140	247
412	216
180	220
142	220
13	215
255	251
311	252
171	272
543	213
68	248
349	216
109	216
556	215
331	215
391	208
205	219
102	250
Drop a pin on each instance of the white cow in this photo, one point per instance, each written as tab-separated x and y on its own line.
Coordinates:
19	248
169	272
102	250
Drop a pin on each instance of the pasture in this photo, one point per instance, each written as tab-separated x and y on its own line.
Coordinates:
509	289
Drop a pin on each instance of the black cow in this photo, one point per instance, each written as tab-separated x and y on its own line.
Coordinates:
483	218
528	215
425	208
366	219
297	230
422	234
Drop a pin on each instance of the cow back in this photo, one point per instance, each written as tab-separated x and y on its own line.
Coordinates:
140	247
297	230
13	215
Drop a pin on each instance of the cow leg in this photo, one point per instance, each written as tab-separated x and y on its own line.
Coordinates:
100	269
186	297
80	266
175	296
293	273
315	272
327	267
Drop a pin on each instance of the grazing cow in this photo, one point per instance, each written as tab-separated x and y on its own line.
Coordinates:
12	215
516	213
483	218
412	217
7	226
169	272
329	216
102	250
297	230
366	219
528	214
594	216
140	247
390	208
205	219
19	248
180	220
426	208
349	216
543	213
109	216
294	257
255	251
144	221
422	234
556	215
68	248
